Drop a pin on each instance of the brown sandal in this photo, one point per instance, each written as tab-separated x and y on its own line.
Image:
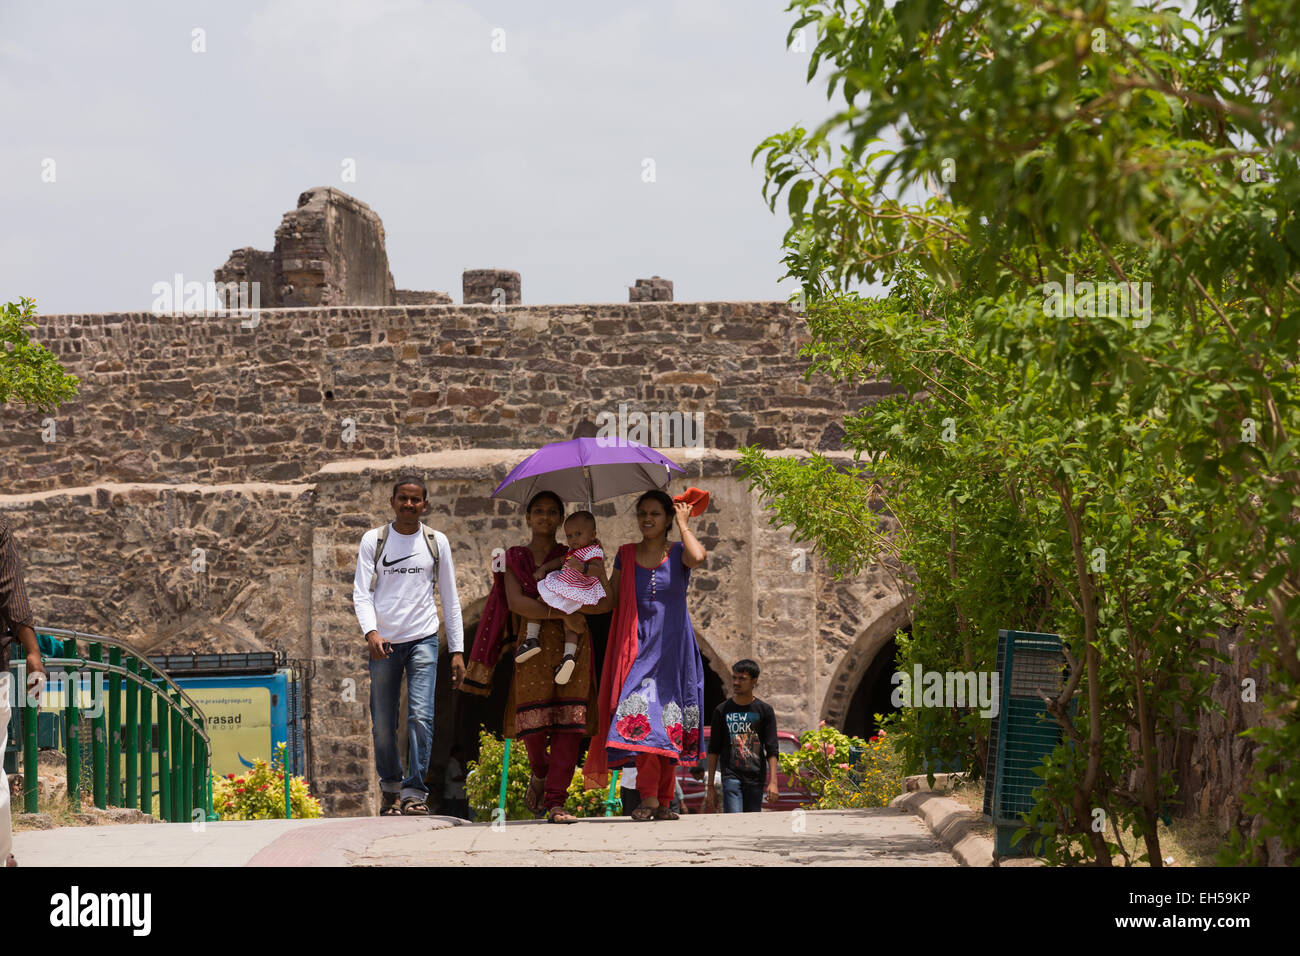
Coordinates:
663	813
536	791
560	815
414	808
643	814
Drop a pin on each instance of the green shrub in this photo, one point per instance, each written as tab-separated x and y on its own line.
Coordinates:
582	802
483	784
259	793
483	779
826	768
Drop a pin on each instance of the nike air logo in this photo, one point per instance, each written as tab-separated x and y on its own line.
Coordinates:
389	564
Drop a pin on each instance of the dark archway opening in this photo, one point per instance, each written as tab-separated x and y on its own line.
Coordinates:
873	692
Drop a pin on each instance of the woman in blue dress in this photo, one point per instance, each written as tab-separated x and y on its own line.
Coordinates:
652	685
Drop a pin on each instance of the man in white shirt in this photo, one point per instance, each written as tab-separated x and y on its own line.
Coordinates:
393	593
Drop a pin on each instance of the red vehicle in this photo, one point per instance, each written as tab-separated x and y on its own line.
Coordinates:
792	797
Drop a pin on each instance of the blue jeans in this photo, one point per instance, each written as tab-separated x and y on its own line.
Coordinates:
738	796
419	661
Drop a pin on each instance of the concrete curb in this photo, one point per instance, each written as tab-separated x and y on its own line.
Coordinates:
952	823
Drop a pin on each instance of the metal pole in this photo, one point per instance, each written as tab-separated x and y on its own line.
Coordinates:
200	766
611	800
31	725
98	732
178	801
115	730
284	765
212	815
132	740
72	728
164	753
505	773
145	728
186	776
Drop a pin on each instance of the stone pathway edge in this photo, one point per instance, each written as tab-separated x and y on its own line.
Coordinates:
952	823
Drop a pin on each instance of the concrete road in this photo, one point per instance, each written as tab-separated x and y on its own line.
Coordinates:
878	837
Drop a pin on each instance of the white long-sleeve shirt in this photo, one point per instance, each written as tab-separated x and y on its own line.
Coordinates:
401	608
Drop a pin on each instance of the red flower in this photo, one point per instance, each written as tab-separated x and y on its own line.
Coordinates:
675	735
633	727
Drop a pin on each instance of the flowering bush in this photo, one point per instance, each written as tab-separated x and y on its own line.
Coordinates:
839	771
259	793
483	779
584	803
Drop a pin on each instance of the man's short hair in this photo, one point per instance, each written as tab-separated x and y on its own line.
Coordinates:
747	667
411	480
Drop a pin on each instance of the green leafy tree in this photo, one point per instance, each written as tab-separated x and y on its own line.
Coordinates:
1121	470
29	372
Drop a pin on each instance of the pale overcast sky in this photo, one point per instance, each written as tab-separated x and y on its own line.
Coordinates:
530	159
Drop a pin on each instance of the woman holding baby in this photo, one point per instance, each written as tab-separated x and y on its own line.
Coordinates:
552	701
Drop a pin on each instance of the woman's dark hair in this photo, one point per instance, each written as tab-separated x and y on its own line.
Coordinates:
559	503
663	499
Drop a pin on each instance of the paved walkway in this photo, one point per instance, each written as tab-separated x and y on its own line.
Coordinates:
879	837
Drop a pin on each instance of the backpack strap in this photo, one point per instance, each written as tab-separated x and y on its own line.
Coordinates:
431	539
379	550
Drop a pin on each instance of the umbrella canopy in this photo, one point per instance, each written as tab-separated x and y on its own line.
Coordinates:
587	470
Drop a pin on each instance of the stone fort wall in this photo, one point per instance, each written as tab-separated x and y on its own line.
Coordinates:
195	432
175	398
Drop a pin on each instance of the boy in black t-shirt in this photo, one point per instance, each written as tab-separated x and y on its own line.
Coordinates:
743	735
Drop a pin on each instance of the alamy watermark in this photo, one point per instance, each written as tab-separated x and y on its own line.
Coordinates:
84	690
209	299
656	429
1088	299
924	688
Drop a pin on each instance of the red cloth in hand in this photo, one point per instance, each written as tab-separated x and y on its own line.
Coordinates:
697	498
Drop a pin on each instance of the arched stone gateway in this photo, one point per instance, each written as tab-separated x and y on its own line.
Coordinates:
870	656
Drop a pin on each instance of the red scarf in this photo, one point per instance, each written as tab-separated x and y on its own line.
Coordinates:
496	616
620	654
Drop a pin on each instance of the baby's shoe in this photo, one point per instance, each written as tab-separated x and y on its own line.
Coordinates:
564	669
531	647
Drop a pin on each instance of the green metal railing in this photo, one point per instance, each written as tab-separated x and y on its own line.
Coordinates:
154	706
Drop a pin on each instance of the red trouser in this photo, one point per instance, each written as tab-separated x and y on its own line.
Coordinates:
555	766
656	778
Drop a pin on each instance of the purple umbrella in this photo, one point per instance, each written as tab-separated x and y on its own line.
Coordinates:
587	469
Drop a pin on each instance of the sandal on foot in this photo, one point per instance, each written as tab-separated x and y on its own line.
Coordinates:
534	794
560	815
388	806
663	813
564	669
530	648
643	814
414	808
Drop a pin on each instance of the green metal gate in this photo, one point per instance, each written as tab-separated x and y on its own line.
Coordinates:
1023	732
141	715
